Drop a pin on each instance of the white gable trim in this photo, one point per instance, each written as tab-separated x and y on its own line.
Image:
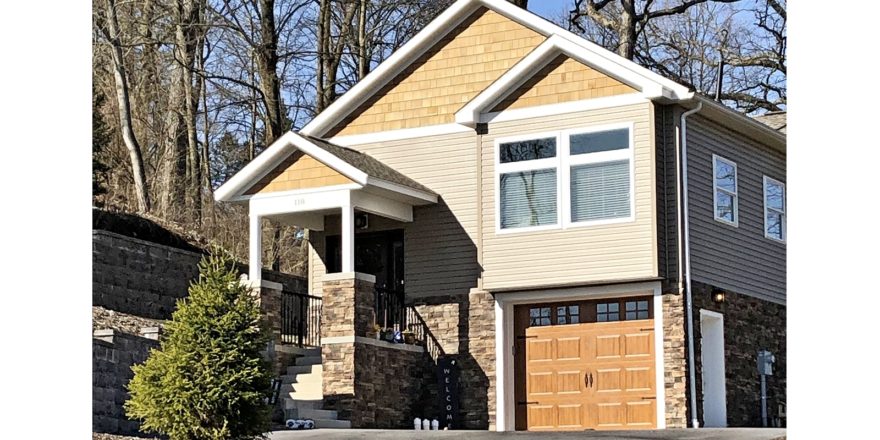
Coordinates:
449	20
563	108
277	152
529	66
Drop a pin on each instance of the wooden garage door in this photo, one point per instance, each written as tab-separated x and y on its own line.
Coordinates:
597	375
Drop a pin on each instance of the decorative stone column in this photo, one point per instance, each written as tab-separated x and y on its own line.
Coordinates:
268	295
347	312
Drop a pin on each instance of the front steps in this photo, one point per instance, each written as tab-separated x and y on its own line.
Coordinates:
302	394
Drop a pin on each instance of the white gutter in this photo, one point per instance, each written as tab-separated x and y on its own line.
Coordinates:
692	375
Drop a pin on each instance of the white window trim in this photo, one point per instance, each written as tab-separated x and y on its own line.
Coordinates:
563	163
783	212
601	157
715	189
526	165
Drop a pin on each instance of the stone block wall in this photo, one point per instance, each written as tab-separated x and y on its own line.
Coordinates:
113	354
146	279
750	325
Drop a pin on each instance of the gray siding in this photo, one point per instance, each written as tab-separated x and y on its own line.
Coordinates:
737	258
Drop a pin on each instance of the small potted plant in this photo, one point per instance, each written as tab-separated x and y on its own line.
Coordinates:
374	331
387	334
409	337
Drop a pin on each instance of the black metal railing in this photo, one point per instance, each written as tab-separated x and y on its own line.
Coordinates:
389	309
301	319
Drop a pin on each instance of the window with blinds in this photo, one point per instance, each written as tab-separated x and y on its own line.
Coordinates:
600	175
574	178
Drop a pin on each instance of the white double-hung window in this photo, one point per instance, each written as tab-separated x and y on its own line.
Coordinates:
567	178
725	188
774	209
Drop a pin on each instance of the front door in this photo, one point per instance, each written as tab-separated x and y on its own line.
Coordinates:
375	253
586	365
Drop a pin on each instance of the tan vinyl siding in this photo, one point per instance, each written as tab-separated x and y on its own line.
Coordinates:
434	87
737	258
577	254
317	268
299	171
563	80
439	245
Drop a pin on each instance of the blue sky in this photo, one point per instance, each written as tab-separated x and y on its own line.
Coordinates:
550	9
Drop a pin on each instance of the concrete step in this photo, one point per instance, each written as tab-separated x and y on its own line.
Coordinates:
308	360
332	424
302	387
302	378
314	351
315	414
305	369
305	395
294	404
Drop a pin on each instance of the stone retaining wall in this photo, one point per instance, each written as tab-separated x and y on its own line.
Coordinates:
146	279
113	354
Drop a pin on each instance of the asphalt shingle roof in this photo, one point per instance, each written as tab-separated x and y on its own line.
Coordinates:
368	164
774	120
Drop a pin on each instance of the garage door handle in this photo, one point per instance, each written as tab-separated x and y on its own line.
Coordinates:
586	381
591	380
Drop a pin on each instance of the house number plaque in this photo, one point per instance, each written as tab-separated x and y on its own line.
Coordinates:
448	374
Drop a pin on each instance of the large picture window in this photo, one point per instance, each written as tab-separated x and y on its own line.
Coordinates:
569	178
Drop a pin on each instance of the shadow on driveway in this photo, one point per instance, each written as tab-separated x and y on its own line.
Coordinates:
683	434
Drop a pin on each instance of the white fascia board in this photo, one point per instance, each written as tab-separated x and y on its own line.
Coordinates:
256	169
528	19
469	115
399	60
279	150
402	190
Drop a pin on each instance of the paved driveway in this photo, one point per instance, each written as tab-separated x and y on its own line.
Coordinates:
684	434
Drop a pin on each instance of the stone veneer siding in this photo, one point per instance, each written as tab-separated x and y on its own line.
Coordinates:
674	359
364	382
146	279
750	325
464	327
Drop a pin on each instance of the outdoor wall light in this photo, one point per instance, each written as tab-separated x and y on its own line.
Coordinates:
718	295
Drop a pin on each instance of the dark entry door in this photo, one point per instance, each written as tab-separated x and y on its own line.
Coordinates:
375	253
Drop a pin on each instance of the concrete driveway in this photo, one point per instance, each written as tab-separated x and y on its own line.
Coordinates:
684	434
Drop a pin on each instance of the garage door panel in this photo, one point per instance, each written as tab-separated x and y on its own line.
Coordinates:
569	382
607	347
540	350
542	417
608	380
639	380
610	415
571	416
639	345
569	349
640	414
541	383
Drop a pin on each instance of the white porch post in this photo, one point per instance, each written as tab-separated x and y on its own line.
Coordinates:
347	233
255	272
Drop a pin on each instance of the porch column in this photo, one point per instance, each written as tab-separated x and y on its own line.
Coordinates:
347	233
255	263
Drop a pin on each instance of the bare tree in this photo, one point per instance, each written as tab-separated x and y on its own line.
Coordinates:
627	18
108	24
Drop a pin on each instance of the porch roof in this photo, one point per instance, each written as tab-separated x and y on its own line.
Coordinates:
363	169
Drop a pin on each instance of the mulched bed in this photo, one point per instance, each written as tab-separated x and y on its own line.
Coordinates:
109	319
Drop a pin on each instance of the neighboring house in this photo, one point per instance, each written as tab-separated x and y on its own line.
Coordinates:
517	189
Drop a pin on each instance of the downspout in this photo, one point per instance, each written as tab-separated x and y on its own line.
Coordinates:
692	375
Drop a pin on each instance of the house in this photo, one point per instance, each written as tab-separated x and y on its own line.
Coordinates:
513	193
